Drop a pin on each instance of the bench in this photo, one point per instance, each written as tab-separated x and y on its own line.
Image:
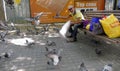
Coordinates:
89	14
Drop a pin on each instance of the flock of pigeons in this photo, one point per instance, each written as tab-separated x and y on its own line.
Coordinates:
54	55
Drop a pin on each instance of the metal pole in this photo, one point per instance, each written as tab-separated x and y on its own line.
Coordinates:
4	7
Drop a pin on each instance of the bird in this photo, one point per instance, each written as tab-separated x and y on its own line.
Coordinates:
30	31
107	67
29	43
83	67
3	35
98	51
54	56
35	19
5	55
12	25
56	30
54	59
50	43
3	25
10	3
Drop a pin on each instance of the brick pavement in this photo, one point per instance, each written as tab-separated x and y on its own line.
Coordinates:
33	58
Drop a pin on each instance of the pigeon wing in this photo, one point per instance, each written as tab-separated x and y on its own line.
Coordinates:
38	15
29	19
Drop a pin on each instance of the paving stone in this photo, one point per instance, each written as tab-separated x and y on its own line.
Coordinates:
34	59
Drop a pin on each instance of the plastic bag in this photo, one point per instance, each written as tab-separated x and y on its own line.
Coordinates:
111	26
94	20
87	27
85	23
65	29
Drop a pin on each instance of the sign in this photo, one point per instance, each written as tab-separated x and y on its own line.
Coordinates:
86	4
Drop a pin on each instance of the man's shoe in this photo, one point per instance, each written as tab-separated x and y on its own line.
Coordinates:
69	36
72	40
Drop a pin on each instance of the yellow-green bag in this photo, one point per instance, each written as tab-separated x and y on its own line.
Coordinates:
88	27
111	26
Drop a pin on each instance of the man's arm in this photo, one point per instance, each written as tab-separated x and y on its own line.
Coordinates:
78	21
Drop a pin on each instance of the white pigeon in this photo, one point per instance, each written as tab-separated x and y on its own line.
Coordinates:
107	67
28	43
35	19
54	55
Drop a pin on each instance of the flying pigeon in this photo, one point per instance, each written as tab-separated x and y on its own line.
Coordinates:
10	3
83	67
107	67
35	19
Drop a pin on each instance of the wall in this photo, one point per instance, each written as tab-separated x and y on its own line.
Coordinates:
50	9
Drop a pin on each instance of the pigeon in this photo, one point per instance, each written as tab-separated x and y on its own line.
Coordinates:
35	19
57	15
98	51
10	3
12	26
56	29
46	27
3	25
5	55
54	56
83	67
50	43
30	31
47	49
3	35
29	43
107	67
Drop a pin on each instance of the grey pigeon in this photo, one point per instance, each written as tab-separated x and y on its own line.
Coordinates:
3	35
56	29
10	3
50	43
5	55
35	19
83	67
107	67
3	25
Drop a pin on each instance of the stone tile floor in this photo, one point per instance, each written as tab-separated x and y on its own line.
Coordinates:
33	58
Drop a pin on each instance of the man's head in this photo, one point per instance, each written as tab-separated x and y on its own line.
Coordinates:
71	8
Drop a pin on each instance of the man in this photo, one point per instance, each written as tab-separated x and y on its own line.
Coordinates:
76	22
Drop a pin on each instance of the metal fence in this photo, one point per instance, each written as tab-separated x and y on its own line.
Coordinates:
19	12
